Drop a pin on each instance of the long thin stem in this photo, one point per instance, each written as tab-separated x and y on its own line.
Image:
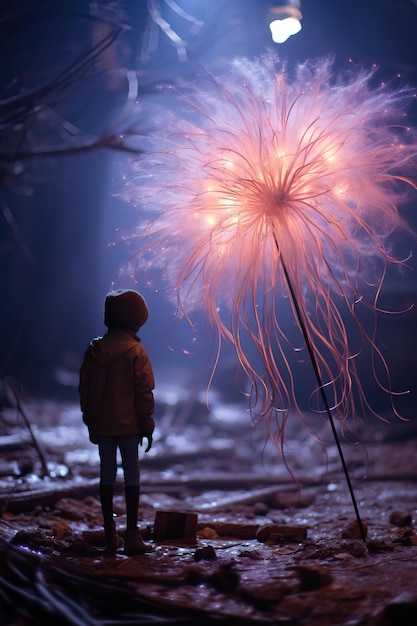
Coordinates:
19	406
313	359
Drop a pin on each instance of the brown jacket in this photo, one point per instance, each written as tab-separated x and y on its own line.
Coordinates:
116	386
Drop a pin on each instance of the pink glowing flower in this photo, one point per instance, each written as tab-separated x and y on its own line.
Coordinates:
257	170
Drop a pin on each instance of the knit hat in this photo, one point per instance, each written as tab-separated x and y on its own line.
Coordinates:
125	309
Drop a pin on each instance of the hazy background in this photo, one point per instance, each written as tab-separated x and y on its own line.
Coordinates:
60	216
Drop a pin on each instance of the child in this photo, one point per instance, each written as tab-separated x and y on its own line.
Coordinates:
117	403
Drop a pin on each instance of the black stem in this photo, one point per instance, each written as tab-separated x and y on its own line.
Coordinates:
313	359
19	406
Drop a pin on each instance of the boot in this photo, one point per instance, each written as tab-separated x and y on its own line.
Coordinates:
134	543
106	499
113	541
132	505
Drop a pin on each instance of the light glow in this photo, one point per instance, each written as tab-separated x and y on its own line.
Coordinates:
281	30
319	169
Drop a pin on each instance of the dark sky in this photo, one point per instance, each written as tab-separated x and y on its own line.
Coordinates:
58	215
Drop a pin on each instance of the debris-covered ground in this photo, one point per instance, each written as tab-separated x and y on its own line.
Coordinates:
269	548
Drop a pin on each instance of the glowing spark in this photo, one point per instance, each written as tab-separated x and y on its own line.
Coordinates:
258	170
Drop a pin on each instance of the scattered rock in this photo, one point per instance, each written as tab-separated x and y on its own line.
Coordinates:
378	545
357	549
260	508
208	533
354	531
207	553
334	549
255	555
37	539
400	519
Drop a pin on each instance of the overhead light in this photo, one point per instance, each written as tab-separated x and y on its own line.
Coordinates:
284	20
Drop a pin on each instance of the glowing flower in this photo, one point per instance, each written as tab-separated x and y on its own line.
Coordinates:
257	173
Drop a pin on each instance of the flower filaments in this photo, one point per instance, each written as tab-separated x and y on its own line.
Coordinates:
260	169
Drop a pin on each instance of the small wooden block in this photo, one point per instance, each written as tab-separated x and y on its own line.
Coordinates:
175	526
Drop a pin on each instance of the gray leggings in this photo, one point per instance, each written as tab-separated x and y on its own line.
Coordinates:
107	449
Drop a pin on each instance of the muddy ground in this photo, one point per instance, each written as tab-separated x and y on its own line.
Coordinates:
269	547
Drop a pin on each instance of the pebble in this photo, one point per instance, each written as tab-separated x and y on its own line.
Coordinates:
399	518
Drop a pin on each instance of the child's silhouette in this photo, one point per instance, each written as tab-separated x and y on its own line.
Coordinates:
117	403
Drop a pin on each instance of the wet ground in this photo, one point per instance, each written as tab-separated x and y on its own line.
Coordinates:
268	548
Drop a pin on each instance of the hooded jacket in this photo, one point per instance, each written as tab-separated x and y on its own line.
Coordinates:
116	386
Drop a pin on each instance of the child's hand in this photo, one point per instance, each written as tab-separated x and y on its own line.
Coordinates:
149	438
